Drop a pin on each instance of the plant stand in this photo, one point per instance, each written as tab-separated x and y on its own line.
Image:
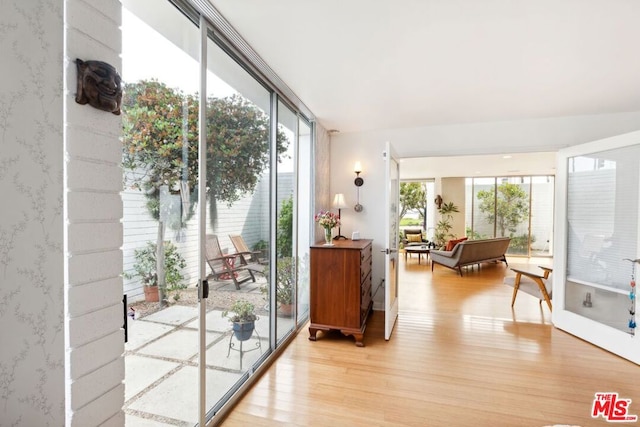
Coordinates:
232	346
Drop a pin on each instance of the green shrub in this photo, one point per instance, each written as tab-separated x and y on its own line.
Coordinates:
145	266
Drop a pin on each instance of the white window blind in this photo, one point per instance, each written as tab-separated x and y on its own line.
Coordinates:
602	215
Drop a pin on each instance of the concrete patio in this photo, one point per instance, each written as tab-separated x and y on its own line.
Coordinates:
161	362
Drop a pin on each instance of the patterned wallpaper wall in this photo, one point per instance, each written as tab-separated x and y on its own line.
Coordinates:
322	159
31	225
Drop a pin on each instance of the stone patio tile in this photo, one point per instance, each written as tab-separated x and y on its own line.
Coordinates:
181	345
141	372
174	315
262	326
217	354
177	396
133	421
215	322
142	332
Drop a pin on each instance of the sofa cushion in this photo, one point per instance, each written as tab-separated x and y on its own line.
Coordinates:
413	238
452	243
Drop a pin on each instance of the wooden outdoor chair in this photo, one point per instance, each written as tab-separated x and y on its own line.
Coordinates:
241	247
227	266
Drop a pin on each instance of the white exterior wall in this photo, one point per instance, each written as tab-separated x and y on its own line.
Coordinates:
31	217
248	217
94	389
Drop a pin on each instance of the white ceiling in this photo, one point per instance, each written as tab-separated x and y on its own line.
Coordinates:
379	64
513	164
368	65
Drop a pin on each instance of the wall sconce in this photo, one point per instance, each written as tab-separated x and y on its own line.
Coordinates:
357	168
339	203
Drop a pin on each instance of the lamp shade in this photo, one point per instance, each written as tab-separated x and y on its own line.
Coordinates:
357	168
338	201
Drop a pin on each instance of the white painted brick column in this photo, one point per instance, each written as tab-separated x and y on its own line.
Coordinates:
94	341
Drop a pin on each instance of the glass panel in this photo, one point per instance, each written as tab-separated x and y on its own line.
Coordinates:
431	208
305	217
483	208
512	212
286	260
237	221
413	210
602	215
542	194
160	161
468	207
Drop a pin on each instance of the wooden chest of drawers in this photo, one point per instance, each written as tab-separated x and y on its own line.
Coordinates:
340	279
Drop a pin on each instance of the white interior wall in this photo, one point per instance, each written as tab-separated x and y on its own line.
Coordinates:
453	190
369	222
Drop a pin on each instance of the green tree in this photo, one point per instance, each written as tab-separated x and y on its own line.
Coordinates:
237	149
160	144
509	209
413	197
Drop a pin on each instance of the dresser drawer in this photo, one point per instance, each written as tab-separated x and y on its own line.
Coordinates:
365	254
365	269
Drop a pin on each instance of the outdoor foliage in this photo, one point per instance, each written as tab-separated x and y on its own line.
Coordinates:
509	210
160	140
413	197
520	244
285	270
284	239
145	266
160	144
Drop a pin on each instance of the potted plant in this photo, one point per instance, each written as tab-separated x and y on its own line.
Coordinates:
263	247
285	276
284	286
145	269
443	228
242	315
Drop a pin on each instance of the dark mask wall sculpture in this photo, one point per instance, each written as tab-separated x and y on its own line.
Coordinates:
99	85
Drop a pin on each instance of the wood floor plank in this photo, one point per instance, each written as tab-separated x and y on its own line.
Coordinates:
459	356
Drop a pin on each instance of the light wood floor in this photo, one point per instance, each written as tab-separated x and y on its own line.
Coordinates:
459	356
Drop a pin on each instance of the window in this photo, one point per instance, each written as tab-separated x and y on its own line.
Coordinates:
519	207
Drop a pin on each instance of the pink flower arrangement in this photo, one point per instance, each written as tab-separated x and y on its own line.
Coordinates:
327	219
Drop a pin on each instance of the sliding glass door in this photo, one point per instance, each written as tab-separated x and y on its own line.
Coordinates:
160	166
210	155
238	170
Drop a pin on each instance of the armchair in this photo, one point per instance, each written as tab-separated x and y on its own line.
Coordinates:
414	237
535	283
